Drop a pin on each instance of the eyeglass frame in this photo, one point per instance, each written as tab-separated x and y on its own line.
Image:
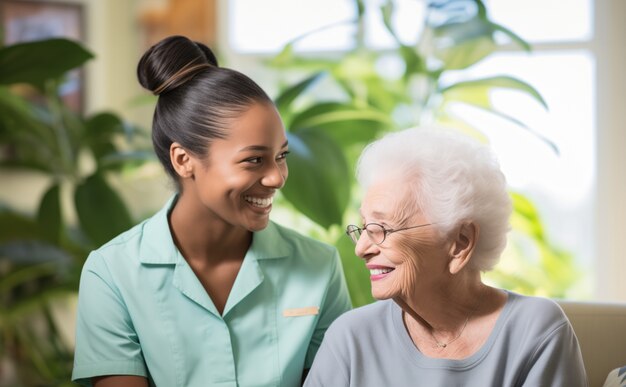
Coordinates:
351	229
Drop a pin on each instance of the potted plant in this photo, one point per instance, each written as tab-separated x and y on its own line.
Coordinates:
41	253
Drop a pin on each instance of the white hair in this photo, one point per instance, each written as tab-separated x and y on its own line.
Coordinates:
451	179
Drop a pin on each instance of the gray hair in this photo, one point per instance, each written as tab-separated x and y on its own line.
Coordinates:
451	179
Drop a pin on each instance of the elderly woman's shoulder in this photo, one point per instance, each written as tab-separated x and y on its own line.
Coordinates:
374	316
539	311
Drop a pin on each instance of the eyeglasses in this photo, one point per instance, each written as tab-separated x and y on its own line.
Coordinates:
376	232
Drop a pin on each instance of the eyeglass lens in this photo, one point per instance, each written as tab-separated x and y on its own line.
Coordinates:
354	233
374	231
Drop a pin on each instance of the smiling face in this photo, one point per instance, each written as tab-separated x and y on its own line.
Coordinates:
409	262
237	181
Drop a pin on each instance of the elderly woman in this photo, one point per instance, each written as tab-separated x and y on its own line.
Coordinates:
434	216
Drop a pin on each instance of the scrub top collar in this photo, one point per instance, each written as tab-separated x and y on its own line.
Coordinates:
157	248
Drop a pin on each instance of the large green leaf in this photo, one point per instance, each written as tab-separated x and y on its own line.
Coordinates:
126	160
101	212
319	179
387	10
459	45
104	125
512	35
526	217
39	61
358	65
520	124
100	133
30	139
49	215
345	123
356	274
476	92
285	99
15	225
414	63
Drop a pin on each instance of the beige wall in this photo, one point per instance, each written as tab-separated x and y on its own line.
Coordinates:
115	37
610	228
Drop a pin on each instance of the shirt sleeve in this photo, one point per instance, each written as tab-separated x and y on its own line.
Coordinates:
336	302
557	361
106	341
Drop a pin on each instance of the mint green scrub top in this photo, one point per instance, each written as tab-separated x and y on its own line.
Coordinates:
142	311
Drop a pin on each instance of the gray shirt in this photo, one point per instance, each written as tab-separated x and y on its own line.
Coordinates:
532	344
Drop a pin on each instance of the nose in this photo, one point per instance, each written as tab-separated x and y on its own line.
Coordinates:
275	175
365	248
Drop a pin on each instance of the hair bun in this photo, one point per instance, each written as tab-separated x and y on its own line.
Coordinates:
208	54
172	62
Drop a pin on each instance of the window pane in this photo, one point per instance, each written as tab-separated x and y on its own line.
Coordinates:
544	20
266	26
256	27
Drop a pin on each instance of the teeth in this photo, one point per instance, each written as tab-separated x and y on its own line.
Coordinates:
380	271
259	202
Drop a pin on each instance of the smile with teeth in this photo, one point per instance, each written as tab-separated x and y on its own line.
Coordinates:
380	271
259	202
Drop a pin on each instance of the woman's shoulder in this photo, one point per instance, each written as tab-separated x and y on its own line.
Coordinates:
538	304
539	312
150	238
147	238
374	316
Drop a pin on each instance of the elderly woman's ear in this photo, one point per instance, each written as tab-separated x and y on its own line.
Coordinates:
463	245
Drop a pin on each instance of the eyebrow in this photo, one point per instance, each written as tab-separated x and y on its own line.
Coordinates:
261	147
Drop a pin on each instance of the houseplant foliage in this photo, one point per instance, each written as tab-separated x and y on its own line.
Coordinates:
455	35
41	253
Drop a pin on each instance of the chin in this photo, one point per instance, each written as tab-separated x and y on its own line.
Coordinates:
258	225
382	294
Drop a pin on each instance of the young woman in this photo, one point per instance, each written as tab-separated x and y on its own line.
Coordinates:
209	291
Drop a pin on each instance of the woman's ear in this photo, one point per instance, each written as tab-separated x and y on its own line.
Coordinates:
181	160
463	246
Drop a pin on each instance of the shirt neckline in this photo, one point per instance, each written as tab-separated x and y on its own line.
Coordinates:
418	359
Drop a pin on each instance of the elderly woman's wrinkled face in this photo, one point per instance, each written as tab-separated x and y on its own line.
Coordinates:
409	262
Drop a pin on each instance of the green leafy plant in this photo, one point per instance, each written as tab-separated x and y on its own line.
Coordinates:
41	253
326	135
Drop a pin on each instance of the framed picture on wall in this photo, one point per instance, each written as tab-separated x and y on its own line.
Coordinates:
26	20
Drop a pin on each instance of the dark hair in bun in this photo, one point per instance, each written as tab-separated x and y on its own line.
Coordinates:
196	97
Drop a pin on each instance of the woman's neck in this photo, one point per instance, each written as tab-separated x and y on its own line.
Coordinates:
446	307
453	329
201	236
